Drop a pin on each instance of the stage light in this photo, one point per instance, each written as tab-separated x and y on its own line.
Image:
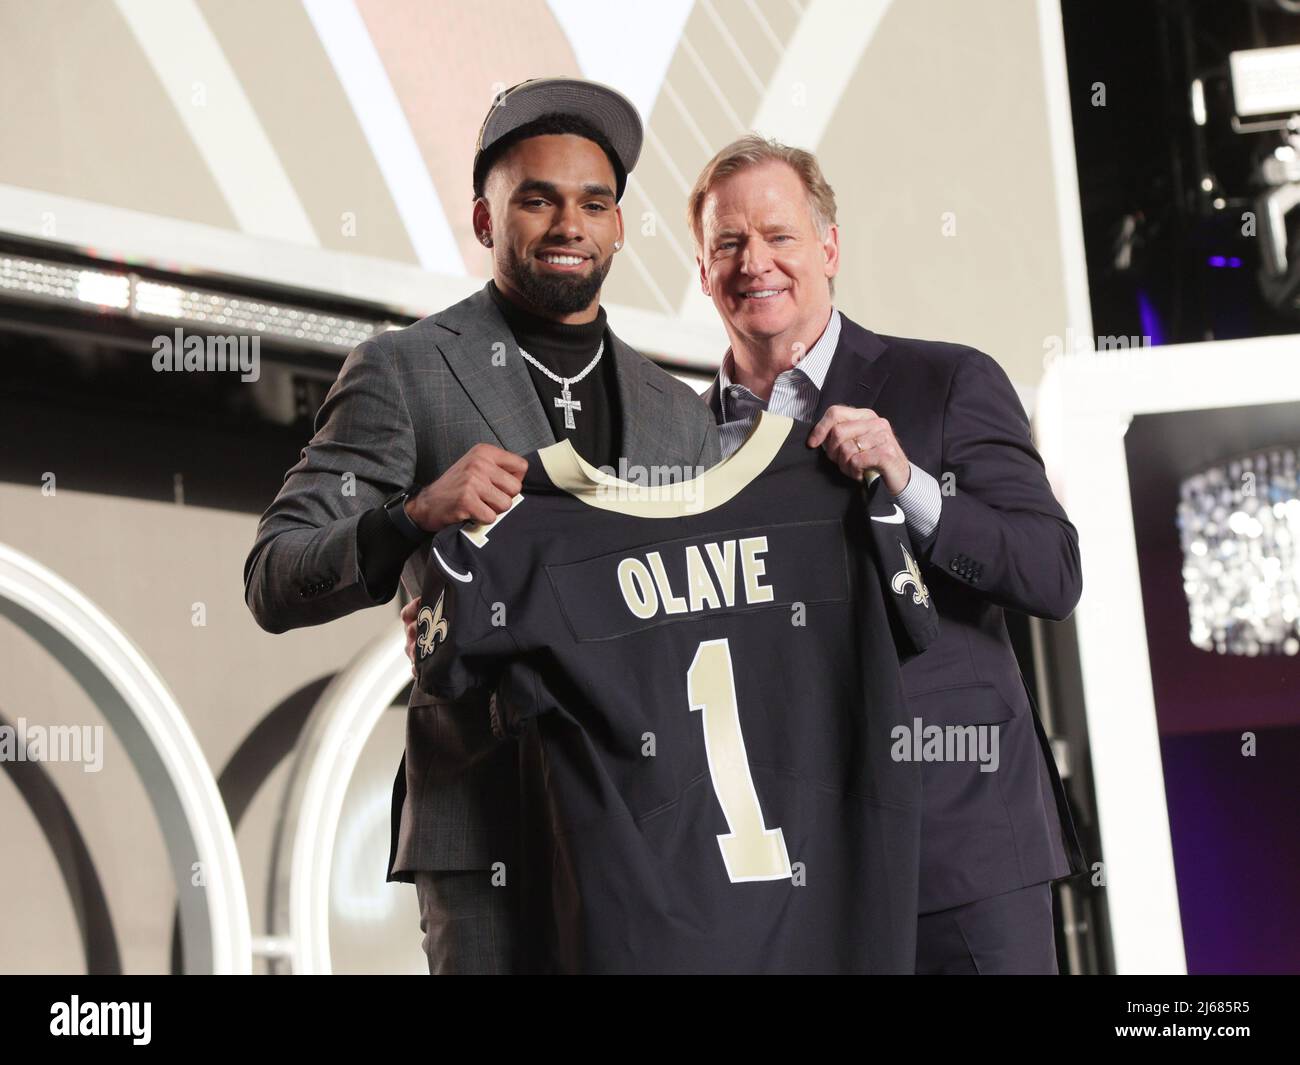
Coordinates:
104	290
233	314
1265	81
206	309
163	301
44	282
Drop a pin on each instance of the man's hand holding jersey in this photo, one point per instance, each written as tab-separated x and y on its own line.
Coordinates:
858	440
476	487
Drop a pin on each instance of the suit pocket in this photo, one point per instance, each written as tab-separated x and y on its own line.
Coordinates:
968	839
966	704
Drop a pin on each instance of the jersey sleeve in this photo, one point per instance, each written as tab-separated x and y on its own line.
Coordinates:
913	616
459	644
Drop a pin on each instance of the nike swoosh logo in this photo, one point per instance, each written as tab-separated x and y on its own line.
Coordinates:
894	519
465	577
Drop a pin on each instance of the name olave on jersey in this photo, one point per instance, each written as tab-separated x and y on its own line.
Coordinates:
724	573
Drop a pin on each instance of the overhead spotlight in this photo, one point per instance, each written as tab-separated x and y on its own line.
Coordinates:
1266	99
1265	87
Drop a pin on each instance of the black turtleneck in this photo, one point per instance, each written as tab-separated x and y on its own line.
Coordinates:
566	350
382	548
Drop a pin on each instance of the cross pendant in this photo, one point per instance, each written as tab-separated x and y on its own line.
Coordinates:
570	405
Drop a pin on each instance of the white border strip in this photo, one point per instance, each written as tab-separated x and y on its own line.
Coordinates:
201	250
209	254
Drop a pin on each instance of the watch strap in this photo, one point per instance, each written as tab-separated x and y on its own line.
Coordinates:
395	508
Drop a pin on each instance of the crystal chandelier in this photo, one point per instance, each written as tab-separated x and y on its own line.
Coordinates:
1239	524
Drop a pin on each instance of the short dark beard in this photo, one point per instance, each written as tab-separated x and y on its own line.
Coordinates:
554	294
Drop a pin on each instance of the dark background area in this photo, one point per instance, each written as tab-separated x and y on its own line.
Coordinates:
81	399
1142	159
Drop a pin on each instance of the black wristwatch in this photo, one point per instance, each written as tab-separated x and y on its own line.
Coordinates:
395	508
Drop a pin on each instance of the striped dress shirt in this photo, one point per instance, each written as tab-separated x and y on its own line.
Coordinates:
795	394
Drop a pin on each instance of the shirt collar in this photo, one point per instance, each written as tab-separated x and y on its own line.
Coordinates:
814	365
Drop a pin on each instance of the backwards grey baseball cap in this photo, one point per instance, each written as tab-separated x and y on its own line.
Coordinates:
607	110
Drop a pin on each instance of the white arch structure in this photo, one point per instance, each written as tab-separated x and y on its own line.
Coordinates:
120	680
325	759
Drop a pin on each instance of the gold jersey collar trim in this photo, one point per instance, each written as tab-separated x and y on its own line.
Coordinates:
714	487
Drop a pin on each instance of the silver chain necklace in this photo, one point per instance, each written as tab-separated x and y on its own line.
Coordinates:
566	399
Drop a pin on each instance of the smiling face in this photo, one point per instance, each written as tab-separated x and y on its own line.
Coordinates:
762	260
550	209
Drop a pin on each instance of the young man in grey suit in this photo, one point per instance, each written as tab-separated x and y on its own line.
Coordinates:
424	428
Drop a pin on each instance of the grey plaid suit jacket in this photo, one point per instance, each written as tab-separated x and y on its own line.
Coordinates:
406	405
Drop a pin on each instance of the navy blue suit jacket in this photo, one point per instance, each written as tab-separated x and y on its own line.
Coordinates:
1003	543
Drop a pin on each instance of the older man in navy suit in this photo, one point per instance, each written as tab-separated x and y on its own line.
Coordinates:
996	831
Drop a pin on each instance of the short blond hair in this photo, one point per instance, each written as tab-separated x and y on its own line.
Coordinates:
751	150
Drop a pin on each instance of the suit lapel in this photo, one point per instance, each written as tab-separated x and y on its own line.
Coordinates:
641	402
649	433
477	342
505	396
858	372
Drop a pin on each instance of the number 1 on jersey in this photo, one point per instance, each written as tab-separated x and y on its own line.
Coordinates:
750	851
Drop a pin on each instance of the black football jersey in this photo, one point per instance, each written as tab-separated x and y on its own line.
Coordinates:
703	677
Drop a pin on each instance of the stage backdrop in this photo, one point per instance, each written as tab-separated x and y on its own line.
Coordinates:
326	144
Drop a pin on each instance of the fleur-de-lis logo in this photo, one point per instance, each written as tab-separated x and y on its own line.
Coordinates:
911	575
433	627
